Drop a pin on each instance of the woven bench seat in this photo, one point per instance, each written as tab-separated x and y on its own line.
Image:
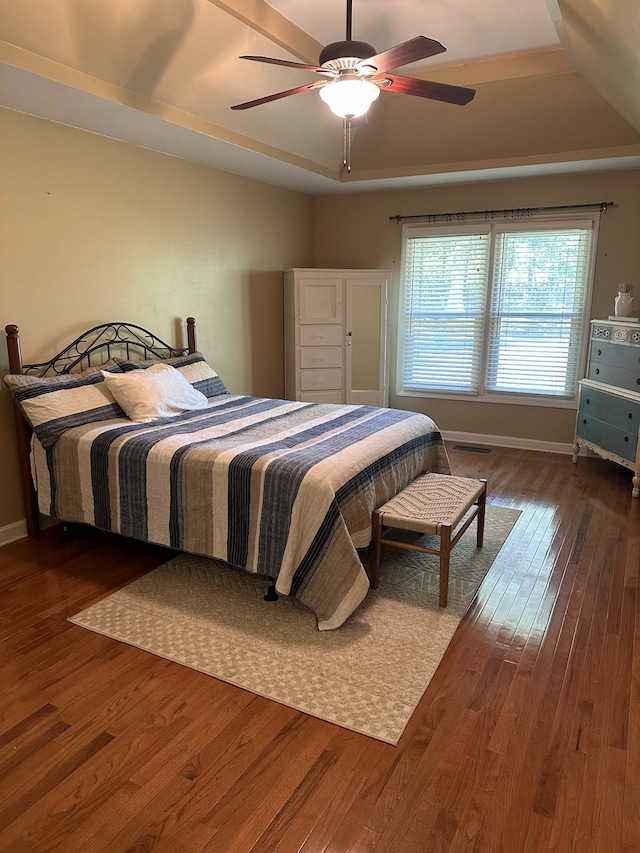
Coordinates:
435	504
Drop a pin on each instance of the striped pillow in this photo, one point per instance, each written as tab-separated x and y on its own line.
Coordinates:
53	404
192	366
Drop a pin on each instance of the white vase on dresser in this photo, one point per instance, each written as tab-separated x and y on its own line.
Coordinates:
336	335
624	301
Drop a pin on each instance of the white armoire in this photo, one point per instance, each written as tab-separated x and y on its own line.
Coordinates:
336	336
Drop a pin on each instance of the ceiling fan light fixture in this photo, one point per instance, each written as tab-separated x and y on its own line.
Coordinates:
350	97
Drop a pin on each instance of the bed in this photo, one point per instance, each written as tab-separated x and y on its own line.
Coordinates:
281	488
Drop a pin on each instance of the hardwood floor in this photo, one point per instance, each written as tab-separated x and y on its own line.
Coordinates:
527	739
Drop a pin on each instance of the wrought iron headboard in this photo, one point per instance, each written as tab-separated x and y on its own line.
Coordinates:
108	340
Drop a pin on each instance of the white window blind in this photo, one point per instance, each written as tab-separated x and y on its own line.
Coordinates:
496	309
538	299
444	306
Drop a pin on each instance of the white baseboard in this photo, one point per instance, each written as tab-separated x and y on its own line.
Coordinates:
12	532
473	438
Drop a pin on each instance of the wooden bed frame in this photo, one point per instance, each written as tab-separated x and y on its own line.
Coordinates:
93	347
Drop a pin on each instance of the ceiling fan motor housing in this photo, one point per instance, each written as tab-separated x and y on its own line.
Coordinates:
344	50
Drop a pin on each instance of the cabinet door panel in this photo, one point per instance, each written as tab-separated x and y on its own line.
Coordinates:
365	333
320	300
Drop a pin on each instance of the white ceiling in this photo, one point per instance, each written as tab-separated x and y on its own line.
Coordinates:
164	74
469	29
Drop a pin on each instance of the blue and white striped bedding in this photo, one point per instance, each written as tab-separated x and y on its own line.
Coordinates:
281	488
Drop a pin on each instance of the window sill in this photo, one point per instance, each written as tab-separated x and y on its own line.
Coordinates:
510	400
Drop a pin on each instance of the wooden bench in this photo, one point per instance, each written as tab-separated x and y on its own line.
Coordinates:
435	504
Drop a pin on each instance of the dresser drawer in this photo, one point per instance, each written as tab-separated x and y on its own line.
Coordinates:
620	377
618	355
605	435
321	397
614	410
325	335
321	357
320	380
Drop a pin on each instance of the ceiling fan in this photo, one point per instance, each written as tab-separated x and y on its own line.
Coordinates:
354	74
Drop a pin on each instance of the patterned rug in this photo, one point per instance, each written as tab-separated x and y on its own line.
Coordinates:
367	676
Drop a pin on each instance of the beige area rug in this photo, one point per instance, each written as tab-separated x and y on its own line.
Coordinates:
367	676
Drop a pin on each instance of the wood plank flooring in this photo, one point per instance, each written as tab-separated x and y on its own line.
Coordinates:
527	739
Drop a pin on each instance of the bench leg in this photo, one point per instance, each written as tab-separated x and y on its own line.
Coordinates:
374	555
445	557
482	507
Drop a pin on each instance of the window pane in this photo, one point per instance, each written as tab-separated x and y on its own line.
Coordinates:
444	307
537	305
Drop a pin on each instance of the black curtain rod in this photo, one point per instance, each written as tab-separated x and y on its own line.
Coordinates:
514	212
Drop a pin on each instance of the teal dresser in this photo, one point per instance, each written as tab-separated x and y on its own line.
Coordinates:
608	418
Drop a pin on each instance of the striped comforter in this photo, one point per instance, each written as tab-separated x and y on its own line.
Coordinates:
281	488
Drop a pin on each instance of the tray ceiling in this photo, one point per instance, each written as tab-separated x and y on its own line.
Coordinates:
558	85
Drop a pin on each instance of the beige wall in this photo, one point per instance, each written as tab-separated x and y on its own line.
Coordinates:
355	231
92	230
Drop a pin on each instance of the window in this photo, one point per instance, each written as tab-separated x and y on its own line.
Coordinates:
496	310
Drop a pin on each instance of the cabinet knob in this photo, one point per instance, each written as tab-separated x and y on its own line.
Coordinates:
584	421
597	370
599	352
626	438
588	401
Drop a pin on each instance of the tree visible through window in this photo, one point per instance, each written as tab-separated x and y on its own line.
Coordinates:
495	309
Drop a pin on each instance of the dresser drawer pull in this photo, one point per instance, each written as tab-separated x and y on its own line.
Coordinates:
597	371
588	401
626	438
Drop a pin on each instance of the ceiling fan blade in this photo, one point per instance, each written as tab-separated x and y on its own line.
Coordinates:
286	63
427	89
277	96
419	47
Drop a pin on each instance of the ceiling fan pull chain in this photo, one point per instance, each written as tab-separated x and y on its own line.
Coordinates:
344	143
346	135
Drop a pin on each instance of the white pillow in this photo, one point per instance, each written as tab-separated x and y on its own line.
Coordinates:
160	391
